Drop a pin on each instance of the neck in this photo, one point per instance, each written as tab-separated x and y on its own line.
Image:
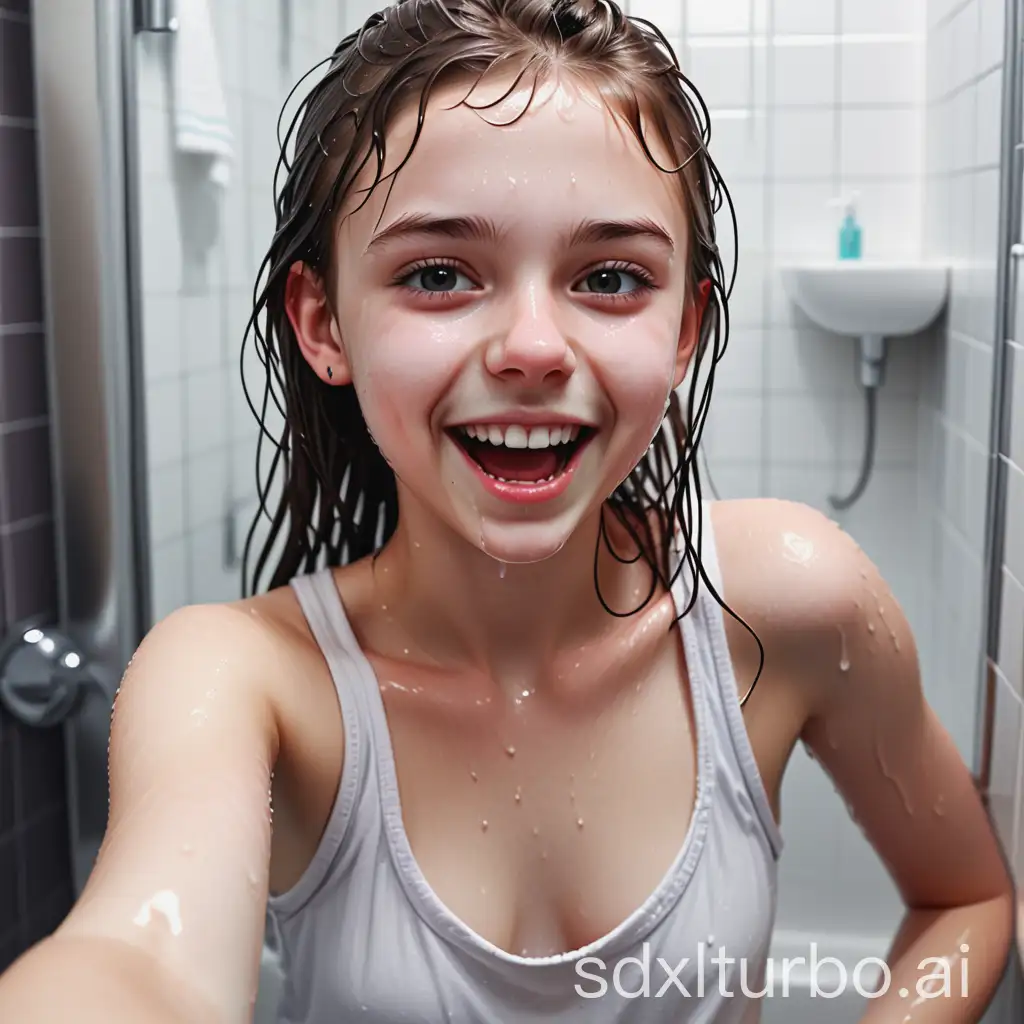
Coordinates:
463	607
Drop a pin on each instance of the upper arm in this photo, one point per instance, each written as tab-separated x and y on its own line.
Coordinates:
871	729
182	872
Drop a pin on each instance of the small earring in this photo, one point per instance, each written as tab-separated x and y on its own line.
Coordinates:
330	373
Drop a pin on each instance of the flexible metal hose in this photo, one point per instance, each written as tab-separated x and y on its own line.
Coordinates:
841	504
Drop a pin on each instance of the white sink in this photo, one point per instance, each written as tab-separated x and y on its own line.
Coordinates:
862	297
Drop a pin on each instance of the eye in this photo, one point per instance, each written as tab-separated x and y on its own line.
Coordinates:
616	281
436	278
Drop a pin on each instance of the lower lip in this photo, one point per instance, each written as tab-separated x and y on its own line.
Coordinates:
527	493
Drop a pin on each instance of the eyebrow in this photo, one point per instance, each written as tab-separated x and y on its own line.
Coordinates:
481	229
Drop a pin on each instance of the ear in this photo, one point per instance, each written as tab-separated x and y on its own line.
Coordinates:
689	332
316	329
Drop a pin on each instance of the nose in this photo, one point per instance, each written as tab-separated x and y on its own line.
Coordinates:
533	350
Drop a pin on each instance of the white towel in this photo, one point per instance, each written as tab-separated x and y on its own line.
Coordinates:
200	109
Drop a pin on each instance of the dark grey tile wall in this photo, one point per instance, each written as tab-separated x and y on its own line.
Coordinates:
35	863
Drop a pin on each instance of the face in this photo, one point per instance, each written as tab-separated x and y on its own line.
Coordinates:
513	314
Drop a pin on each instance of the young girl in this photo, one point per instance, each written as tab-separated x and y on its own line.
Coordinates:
501	694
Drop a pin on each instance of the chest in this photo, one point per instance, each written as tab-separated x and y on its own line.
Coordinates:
542	821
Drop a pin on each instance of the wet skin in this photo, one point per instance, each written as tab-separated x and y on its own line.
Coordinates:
577	748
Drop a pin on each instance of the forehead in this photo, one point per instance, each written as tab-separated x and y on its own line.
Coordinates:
551	147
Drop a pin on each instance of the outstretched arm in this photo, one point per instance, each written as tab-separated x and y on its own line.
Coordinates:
170	924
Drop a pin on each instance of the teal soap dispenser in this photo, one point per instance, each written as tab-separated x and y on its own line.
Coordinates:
850	234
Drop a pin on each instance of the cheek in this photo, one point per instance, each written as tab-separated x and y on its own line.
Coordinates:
638	374
399	375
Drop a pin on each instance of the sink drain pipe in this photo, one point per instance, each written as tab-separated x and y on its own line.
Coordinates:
872	375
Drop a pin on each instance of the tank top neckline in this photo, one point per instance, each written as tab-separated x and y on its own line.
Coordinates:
429	906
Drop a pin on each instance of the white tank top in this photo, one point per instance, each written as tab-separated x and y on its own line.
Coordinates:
367	941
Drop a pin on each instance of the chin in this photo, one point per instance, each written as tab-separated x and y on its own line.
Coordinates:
522	543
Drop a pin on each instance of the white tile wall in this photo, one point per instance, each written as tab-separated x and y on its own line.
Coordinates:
811	100
962	128
200	433
965	79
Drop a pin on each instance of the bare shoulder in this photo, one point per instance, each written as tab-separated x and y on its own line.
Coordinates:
257	637
293	663
259	648
788	562
804	586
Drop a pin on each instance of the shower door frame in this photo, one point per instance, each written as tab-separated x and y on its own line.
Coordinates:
89	198
1008	284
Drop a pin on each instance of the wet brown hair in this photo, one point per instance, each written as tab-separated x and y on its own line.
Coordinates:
339	501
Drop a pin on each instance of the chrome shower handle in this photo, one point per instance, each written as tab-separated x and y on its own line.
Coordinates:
156	16
44	677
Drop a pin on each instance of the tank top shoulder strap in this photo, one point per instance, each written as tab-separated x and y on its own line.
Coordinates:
322	607
723	687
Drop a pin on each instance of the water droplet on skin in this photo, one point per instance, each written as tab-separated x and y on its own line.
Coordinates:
543	854
405	650
536	830
880	758
483	825
383	607
579	823
163	904
474	776
871	627
501	571
511	751
711	939
519	795
844	659
863	574
939	807
572	796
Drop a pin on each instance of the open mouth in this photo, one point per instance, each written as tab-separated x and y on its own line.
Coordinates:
517	454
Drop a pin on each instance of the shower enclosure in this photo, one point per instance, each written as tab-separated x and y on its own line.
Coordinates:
150	269
150	272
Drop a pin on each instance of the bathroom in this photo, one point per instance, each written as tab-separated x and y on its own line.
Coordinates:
127	447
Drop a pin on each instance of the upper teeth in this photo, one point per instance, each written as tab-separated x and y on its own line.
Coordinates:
515	436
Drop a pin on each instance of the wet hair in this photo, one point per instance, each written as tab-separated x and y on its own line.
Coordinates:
339	501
